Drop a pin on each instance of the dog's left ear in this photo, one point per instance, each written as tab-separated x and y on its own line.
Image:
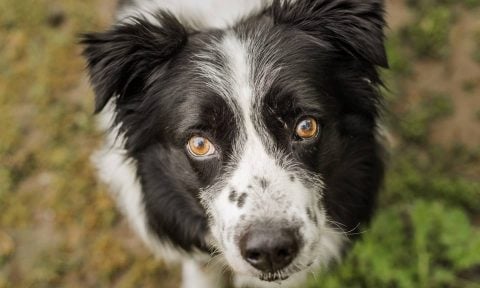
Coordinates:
353	26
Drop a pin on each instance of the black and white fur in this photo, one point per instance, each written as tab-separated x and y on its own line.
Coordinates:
241	73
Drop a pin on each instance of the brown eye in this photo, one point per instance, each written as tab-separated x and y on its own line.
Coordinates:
200	146
307	128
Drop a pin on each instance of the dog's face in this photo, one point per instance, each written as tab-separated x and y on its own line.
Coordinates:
259	141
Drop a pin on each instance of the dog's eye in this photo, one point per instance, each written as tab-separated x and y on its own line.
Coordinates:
306	128
200	146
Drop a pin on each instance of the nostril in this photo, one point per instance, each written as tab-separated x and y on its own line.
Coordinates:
259	259
253	256
283	253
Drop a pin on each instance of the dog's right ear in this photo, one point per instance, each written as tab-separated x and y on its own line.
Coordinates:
121	59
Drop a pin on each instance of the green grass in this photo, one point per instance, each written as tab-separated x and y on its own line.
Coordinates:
59	227
428	35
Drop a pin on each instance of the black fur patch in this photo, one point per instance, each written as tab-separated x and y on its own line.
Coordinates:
232	196
122	59
352	26
263	183
241	200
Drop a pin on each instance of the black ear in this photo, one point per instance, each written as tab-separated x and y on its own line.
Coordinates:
120	60
353	26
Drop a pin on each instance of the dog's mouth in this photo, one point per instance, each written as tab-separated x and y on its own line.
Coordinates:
282	275
274	276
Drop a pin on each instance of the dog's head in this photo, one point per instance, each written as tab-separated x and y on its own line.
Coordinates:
257	141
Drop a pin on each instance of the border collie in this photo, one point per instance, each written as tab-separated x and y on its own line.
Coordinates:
242	135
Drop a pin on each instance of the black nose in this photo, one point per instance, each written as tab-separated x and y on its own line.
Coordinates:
269	249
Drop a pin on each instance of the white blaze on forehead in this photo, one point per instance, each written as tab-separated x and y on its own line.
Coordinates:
243	93
235	52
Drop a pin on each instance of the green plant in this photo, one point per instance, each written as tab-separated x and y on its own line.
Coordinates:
399	63
429	33
423	244
414	124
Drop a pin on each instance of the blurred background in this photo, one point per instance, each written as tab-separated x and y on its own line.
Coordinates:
59	228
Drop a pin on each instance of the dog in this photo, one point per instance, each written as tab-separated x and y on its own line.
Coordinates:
242	134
